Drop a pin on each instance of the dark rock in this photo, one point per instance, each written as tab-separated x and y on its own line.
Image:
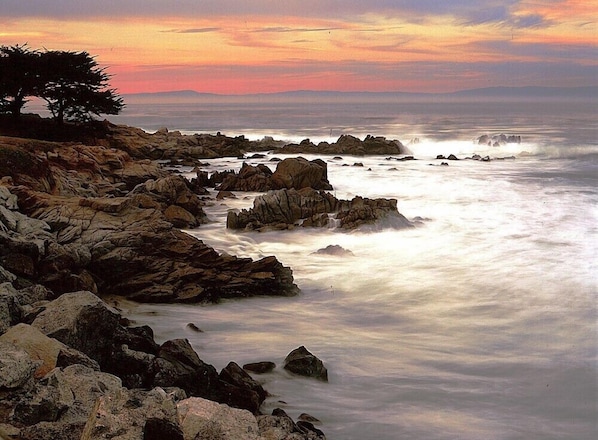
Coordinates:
300	173
194	327
235	375
300	361
334	249
284	209
452	157
161	429
260	367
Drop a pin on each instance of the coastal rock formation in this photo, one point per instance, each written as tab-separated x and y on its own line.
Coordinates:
284	209
291	173
347	144
85	229
498	139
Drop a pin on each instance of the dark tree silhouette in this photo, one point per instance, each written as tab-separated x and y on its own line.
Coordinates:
20	72
75	87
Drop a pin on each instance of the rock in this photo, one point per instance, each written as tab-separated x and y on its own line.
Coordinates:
452	157
62	401
249	178
298	173
260	367
16	366
82	321
177	365
284	209
300	361
334	249
249	393
40	347
279	426
204	419
133	414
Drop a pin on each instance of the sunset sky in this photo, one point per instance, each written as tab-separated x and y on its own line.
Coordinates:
246	46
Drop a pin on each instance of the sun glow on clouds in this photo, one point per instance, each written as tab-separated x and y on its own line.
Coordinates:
411	46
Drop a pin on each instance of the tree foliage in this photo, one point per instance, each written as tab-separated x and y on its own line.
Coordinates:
72	84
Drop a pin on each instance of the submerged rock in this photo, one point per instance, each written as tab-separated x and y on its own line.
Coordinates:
300	361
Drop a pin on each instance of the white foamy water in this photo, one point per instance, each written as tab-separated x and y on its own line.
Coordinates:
479	323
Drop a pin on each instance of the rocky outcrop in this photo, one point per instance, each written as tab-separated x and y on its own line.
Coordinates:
285	209
347	144
498	139
290	173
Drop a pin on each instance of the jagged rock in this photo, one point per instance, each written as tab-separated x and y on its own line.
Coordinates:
82	321
300	361
178	365
280	426
16	366
299	173
249	178
133	414
260	367
283	209
245	392
200	418
62	401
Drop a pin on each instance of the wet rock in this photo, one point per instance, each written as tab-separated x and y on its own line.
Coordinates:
452	157
248	388
284	209
301	362
336	250
177	365
260	367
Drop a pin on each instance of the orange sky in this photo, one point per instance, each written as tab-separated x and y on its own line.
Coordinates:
233	47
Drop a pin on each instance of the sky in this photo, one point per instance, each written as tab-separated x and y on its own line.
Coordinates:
263	46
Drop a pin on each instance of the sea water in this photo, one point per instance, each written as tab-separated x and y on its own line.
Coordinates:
478	323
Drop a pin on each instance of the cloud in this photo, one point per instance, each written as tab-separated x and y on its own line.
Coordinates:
194	30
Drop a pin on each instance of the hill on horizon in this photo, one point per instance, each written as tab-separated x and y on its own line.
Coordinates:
495	93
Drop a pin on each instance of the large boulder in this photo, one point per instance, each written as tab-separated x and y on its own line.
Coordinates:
60	404
298	173
200	418
134	414
82	321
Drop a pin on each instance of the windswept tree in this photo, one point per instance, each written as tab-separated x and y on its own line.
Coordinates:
75	87
20	77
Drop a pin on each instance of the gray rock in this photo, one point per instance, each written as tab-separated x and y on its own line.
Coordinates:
204	419
125	414
16	366
82	321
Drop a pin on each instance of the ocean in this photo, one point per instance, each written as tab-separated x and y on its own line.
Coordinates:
479	323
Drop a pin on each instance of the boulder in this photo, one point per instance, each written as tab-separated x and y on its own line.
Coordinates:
334	249
16	366
40	347
62	401
82	321
249	178
300	361
299	173
244	388
200	418
133	414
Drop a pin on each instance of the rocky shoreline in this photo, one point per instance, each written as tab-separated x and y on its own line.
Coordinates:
93	213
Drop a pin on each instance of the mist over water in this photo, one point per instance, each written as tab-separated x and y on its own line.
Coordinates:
480	322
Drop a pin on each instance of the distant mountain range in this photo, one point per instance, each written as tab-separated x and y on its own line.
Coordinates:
493	93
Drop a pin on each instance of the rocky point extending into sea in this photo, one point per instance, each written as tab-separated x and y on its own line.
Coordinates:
89	213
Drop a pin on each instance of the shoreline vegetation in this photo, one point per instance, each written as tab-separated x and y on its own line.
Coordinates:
93	211
89	212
